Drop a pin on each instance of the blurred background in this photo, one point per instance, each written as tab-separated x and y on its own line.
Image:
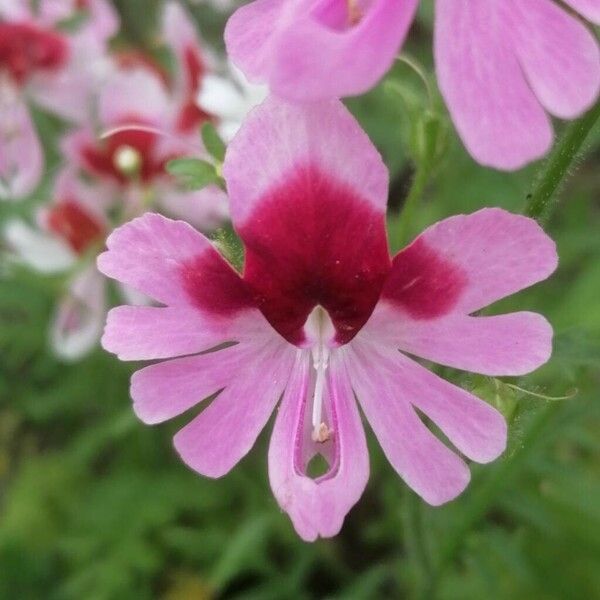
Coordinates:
95	505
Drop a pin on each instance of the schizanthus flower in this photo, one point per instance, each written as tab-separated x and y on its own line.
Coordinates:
501	64
323	313
42	62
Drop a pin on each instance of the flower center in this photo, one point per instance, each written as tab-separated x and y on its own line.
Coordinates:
354	12
320	332
26	48
131	151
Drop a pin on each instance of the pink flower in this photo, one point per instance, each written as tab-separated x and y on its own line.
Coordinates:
319	315
140	118
71	226
501	64
41	62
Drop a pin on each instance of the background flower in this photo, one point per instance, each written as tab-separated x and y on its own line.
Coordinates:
501	64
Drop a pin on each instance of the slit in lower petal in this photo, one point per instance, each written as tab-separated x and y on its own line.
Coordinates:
316	440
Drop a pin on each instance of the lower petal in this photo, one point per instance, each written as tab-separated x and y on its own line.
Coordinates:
318	506
80	315
220	436
503	345
430	468
167	389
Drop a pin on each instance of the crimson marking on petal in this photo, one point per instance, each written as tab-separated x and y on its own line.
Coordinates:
191	116
194	69
78	228
313	241
213	285
26	48
424	283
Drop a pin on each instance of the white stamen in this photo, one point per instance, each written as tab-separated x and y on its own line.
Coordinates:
320	363
127	160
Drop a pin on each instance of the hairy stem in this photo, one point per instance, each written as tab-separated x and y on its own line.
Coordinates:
543	198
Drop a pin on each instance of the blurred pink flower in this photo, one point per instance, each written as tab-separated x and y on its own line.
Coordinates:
45	62
501	64
140	120
72	225
319	315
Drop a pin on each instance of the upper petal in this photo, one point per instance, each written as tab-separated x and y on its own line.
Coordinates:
224	432
120	98
314	50
174	264
590	9
559	56
466	262
496	113
430	468
302	181
318	506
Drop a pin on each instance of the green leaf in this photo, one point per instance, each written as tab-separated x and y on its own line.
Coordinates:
194	173
213	142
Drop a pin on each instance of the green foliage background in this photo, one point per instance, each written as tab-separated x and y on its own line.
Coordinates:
95	505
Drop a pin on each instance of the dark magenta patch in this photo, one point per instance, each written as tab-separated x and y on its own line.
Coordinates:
70	221
314	241
214	286
26	48
423	283
191	116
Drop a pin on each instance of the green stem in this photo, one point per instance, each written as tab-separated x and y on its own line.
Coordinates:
417	187
543	199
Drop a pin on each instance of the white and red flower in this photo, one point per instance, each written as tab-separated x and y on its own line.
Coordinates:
45	62
323	313
71	226
502	65
147	117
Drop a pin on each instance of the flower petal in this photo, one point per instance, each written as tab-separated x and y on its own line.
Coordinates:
149	332
21	155
511	344
205	209
430	468
78	321
318	507
167	389
558	54
590	9
473	426
38	250
310	51
496	113
174	264
120	98
217	439
466	262
302	181
250	34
